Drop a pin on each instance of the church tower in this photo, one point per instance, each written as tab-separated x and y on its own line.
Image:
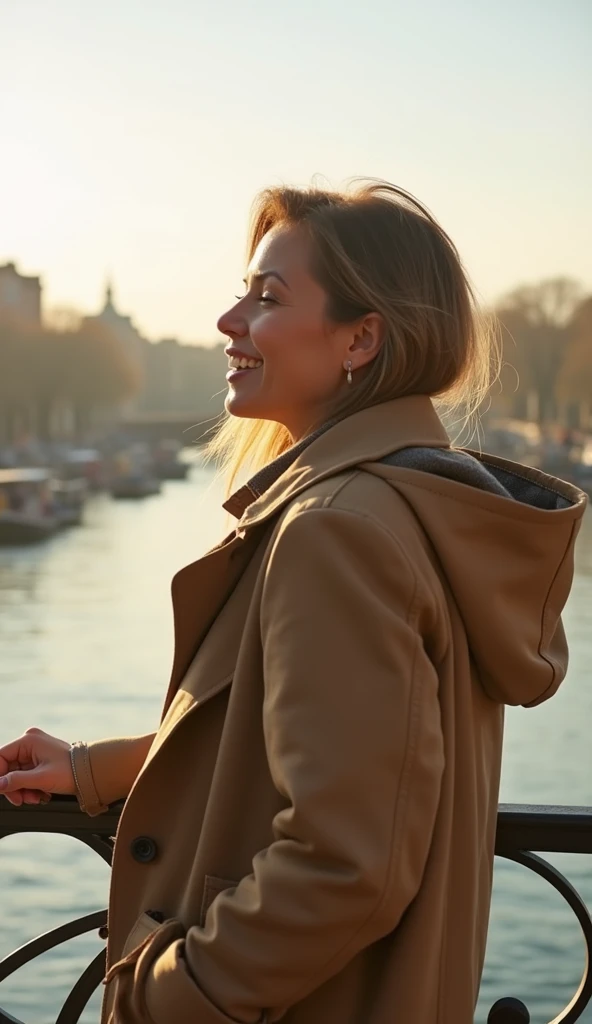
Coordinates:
125	331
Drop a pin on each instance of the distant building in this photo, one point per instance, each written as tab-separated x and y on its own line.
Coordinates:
122	327
124	330
183	378
174	377
20	296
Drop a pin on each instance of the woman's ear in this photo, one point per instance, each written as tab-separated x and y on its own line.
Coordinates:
367	340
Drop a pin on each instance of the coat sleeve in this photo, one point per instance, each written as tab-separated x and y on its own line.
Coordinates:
354	743
107	769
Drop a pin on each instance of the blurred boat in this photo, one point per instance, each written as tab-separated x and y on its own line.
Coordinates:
26	506
131	485
87	463
518	440
69	498
133	474
167	464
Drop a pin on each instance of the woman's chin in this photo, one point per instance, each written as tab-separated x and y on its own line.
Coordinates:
241	405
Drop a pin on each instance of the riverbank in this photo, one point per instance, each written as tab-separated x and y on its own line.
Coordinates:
85	650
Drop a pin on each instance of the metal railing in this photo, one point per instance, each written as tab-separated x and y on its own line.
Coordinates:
523	832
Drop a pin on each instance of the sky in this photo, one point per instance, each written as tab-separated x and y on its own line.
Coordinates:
136	133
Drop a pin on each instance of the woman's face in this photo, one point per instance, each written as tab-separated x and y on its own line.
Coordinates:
296	356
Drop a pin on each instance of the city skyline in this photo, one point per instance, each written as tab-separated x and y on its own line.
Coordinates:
138	138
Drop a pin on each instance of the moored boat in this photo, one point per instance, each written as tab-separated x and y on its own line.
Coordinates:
69	497
167	464
133	473
26	506
130	485
87	463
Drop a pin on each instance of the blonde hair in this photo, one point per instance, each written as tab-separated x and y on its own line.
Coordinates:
376	249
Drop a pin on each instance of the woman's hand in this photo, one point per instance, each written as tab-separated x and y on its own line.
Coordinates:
33	767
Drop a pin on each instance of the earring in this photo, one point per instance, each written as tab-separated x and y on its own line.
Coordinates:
349	372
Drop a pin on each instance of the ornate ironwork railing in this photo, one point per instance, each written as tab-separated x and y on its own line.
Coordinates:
522	833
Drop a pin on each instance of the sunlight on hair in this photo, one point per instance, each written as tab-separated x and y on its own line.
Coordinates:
378	249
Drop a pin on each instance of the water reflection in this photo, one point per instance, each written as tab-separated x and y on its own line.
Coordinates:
85	650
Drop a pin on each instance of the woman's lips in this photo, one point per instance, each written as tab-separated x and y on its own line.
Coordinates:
234	374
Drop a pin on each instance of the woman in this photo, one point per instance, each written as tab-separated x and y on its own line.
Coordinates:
309	834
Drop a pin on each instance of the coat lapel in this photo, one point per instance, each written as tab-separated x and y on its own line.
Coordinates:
199	592
365	436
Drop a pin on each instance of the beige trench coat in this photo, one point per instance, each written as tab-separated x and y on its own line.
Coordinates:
310	836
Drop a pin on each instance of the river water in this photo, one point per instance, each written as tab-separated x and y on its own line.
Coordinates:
85	649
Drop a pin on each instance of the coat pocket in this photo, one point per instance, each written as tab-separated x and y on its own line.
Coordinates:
213	886
143	927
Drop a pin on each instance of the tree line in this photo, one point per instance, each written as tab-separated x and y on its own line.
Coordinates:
71	364
546	337
546	375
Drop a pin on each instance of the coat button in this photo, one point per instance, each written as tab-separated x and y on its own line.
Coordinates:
144	849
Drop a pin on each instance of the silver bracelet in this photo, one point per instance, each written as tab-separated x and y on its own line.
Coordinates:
75	776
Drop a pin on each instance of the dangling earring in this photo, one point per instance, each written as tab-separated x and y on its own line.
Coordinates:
349	372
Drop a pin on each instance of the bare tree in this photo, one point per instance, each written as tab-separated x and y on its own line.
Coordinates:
535	321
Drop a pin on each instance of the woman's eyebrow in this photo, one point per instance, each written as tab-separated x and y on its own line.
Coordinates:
267	273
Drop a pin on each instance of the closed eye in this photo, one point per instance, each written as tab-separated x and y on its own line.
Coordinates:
262	298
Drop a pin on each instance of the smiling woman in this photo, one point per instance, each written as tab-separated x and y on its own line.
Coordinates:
352	299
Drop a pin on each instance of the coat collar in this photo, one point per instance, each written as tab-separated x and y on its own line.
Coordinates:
365	436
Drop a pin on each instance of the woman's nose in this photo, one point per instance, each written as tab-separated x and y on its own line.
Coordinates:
232	323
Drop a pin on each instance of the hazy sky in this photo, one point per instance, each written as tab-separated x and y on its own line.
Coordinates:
134	134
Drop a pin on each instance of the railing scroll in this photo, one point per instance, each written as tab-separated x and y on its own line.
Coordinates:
62	816
553	830
522	832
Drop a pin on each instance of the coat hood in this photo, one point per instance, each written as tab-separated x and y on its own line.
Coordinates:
504	535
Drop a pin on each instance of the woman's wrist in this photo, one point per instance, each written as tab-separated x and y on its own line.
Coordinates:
86	791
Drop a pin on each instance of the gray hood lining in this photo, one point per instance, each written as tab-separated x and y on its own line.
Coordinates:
458	465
